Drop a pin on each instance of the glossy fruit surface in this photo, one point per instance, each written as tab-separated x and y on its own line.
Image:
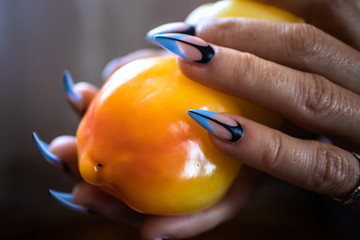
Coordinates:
137	142
240	8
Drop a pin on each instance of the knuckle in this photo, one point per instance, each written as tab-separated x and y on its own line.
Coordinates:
244	69
304	40
330	170
318	98
272	157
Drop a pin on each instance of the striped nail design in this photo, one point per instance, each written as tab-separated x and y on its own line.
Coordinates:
187	47
218	124
174	27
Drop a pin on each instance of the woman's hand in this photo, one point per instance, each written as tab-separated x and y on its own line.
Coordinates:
62	153
297	70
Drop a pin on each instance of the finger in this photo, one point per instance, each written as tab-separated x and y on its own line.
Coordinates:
317	166
64	148
307	99
98	201
78	95
189	225
116	63
339	18
62	151
87	91
87	198
299	46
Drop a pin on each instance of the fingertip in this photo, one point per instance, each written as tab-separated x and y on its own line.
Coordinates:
246	145
87	91
43	148
101	202
66	199
193	70
111	67
61	144
205	27
66	149
211	72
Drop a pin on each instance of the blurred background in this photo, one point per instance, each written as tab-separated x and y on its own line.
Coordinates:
41	38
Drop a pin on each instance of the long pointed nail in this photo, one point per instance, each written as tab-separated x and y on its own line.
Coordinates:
43	147
187	47
75	99
175	27
66	200
218	124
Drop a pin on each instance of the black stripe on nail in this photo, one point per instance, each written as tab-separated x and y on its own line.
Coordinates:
236	132
207	52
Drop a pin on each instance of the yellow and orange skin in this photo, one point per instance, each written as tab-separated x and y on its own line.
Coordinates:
137	142
240	8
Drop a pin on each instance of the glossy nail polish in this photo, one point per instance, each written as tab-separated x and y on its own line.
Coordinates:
175	27
73	97
44	150
218	124
187	47
66	200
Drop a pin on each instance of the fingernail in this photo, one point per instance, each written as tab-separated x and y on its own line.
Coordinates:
218	124
73	97
66	200
175	27
43	148
187	47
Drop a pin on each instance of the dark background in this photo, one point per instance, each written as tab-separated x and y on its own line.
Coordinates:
41	38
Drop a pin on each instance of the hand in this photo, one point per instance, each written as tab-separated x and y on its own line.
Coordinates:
62	152
258	141
297	70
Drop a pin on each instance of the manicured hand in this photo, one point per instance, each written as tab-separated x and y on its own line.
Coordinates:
298	70
62	153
